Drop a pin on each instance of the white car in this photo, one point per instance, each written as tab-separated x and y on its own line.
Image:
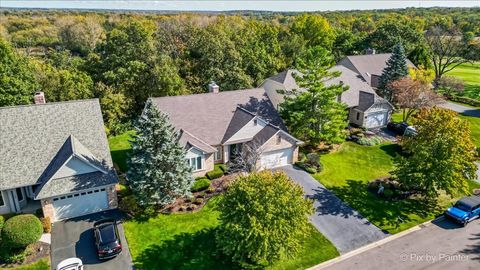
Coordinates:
70	264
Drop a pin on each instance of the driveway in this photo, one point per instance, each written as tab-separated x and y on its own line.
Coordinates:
342	225
441	245
461	109
74	238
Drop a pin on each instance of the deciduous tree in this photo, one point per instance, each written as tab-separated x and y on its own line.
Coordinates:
158	172
440	157
263	216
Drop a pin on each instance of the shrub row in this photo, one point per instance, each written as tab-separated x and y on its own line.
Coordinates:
200	184
466	100
370	141
216	173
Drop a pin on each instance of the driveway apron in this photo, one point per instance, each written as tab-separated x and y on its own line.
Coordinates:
342	225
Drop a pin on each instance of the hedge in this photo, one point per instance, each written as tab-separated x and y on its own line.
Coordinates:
21	231
200	184
216	173
222	167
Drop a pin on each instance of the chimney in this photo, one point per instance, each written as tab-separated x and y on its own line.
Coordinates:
213	87
370	51
39	98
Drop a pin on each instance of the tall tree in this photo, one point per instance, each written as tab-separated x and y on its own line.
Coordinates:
158	172
449	50
17	80
314	115
440	157
396	69
314	29
263	216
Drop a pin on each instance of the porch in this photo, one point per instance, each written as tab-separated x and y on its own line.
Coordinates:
18	200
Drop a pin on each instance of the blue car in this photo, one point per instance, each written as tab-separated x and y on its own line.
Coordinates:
465	210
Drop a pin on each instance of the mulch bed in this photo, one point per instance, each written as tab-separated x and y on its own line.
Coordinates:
37	251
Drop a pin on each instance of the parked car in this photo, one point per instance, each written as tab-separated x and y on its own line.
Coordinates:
465	210
107	238
402	129
70	264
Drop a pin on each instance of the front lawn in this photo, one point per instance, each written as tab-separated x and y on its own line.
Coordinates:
470	75
42	264
119	148
347	172
474	127
186	241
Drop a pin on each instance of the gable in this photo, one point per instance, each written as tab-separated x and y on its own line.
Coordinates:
74	166
248	131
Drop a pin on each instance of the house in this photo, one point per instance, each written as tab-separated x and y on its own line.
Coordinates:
361	73
55	156
213	127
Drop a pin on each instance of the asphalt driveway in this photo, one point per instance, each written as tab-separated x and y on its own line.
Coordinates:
74	238
342	225
469	111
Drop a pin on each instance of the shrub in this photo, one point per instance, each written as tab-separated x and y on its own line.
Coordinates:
216	173
21	231
200	184
370	141
198	201
222	167
306	167
2	221
182	208
210	190
313	160
10	256
311	170
129	204
301	156
46	224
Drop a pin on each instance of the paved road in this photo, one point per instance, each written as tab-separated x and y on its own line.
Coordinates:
74	238
342	225
442	245
461	109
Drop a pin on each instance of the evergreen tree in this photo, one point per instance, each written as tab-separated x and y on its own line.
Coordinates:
157	168
396	69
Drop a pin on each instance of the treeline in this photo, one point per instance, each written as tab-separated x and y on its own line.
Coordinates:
123	59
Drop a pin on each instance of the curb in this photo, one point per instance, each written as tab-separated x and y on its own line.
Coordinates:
374	245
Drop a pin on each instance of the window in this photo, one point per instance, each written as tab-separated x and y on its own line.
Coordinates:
2	203
279	139
195	163
218	154
358	115
19	194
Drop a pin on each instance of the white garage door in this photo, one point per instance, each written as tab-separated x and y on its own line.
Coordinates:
377	119
276	158
80	204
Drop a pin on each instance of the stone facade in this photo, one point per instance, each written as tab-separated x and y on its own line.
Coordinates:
47	208
207	166
112	197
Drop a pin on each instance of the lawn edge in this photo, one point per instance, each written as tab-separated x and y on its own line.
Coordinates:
379	243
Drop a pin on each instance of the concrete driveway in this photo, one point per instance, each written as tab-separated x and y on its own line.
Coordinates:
342	225
74	238
441	245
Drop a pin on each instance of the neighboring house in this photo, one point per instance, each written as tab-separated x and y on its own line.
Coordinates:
214	126
55	153
361	73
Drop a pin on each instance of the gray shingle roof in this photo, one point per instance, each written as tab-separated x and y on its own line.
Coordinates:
240	118
207	116
75	183
265	134
370	64
32	135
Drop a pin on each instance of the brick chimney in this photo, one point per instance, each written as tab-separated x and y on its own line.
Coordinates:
213	87
370	51
39	98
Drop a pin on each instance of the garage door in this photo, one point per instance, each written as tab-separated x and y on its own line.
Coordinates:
79	204
377	119
276	158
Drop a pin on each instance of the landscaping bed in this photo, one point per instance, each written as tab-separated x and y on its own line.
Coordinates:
37	256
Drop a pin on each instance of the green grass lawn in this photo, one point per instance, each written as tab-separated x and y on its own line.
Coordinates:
186	241
42	264
119	148
474	127
470	74
347	172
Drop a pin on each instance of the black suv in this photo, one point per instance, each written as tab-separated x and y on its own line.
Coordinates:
107	239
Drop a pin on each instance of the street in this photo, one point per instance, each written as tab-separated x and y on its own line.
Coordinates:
441	245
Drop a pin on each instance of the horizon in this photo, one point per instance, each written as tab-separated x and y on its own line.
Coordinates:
229	6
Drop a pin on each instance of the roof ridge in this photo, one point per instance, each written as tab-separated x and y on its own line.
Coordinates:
50	103
209	93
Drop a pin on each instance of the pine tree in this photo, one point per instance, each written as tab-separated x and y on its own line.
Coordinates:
157	168
396	69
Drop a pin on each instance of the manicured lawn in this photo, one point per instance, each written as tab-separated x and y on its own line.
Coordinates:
474	127
470	74
347	172
119	148
42	264
186	241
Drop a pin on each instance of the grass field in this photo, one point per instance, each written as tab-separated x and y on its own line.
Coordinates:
347	172
119	148
470	74
187	241
42	264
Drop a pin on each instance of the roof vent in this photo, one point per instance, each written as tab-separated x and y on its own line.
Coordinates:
213	87
370	51
39	98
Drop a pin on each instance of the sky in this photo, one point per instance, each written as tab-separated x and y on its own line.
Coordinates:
206	5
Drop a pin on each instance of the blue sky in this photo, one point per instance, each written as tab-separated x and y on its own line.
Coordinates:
235	5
